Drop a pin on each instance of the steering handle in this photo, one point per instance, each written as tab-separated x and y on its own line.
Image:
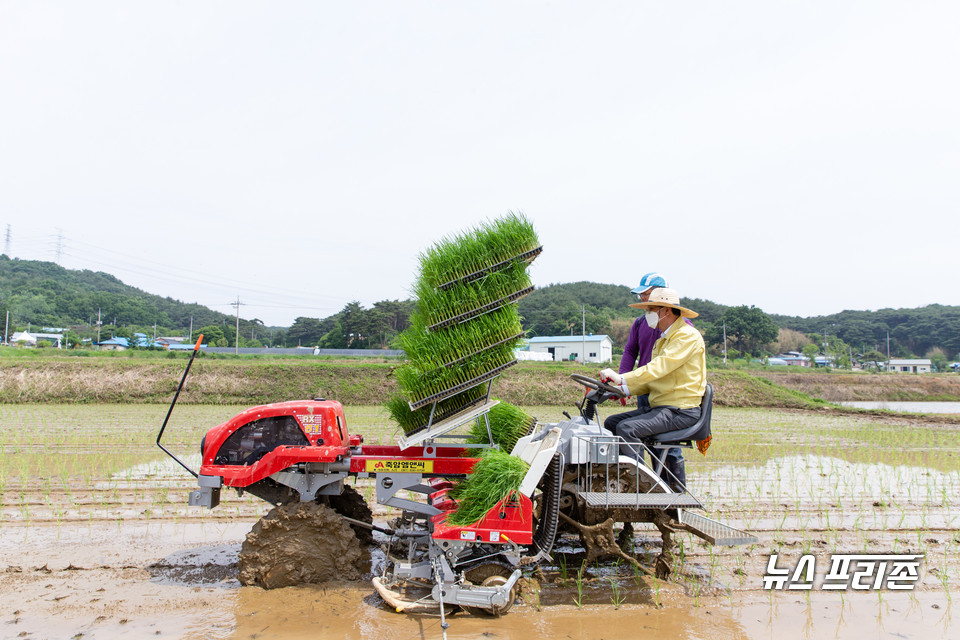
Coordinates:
592	383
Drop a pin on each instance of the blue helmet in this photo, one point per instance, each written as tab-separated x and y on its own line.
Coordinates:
649	281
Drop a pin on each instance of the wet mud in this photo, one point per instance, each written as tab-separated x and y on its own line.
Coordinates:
301	543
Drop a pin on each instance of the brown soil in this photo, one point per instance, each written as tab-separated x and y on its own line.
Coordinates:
851	387
248	382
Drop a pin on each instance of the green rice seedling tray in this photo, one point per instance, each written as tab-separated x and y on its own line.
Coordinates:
438	306
486	348
439	428
417	384
487	308
527	256
491	243
493	373
420	419
432	349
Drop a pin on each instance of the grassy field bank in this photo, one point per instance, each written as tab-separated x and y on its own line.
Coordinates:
152	378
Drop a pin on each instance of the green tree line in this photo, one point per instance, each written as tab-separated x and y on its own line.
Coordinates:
45	294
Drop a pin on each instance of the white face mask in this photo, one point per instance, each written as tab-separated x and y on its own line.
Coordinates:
652	319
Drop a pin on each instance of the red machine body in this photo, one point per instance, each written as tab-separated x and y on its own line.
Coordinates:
511	520
269	438
266	439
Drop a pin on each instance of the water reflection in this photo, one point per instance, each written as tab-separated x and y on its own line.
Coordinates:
907	407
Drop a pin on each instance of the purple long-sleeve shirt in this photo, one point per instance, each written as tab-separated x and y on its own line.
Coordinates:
639	347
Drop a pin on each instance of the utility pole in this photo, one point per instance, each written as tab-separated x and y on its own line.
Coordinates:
583	334
236	342
724	342
7	325
98	327
190	337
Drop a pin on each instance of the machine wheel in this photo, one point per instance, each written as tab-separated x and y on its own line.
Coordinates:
491	575
301	543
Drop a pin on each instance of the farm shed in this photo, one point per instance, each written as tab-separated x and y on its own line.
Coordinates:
921	365
597	348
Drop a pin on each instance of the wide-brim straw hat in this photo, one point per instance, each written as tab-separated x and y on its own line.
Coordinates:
665	297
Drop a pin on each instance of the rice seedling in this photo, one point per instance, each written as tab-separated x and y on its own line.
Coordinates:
413	420
579	582
495	478
617	597
443	348
507	425
464	301
483	249
422	386
563	570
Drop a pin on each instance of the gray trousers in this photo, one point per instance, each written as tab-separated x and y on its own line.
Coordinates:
647	421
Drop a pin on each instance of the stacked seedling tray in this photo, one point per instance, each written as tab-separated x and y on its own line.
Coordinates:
466	326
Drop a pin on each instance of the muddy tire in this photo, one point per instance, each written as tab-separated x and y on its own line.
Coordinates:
301	543
352	505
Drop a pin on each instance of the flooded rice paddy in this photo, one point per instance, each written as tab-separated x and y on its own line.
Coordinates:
907	407
96	540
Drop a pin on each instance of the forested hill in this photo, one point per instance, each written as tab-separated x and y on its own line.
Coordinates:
559	309
46	294
912	331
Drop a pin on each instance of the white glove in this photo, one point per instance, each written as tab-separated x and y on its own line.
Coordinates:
611	377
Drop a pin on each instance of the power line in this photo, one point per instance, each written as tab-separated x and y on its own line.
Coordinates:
59	246
89	255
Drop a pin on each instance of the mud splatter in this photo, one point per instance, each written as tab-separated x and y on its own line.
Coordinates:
301	543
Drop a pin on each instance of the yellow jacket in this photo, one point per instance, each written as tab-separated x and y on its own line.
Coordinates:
676	375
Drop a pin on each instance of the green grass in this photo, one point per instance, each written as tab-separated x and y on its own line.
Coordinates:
419	384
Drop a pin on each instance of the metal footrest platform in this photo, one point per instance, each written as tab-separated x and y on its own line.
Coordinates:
715	532
640	500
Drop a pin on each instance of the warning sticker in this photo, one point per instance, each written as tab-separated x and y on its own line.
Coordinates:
399	466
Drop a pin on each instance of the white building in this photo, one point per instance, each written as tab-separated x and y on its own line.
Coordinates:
24	337
595	348
921	365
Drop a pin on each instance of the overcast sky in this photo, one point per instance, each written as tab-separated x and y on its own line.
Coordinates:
802	157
